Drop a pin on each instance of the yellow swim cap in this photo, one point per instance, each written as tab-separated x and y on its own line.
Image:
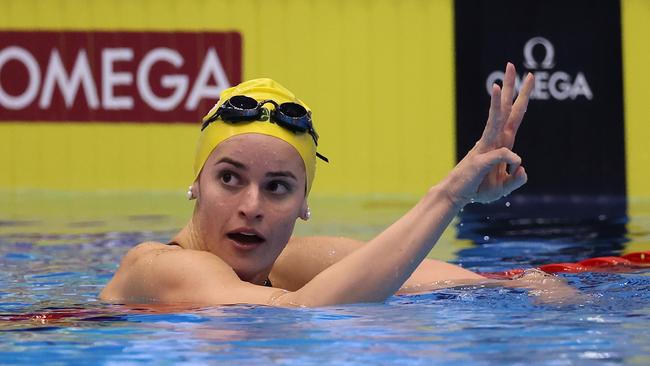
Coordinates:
258	89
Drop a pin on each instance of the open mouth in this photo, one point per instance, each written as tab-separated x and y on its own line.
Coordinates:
245	238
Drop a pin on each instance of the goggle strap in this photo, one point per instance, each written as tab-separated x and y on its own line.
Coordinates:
209	120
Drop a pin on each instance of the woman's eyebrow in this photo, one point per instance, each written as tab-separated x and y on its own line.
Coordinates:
284	173
230	161
240	165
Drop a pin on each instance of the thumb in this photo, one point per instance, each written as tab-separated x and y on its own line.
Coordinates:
516	179
501	155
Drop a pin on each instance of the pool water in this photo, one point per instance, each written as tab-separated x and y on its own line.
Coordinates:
53	269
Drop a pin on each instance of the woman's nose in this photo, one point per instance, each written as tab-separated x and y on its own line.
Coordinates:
251	205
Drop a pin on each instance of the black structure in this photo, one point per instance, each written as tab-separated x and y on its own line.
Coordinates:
572	139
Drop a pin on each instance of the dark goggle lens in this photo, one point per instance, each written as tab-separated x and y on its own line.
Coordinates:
239	108
294	117
243	102
292	110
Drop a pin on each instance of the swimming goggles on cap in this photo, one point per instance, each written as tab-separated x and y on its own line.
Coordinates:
289	115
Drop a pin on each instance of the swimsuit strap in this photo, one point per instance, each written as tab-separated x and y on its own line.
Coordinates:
267	282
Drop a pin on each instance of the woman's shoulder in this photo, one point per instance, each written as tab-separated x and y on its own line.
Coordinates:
154	255
153	271
145	249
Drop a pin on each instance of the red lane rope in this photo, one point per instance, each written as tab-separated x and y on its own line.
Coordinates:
626	263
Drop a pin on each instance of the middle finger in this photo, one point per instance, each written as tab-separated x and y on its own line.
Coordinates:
508	90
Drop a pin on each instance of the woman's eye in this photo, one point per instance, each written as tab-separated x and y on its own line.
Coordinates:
229	178
278	187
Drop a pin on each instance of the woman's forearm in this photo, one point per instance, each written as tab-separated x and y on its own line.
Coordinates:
489	171
378	269
305	257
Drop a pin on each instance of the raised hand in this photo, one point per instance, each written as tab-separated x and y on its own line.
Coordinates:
491	170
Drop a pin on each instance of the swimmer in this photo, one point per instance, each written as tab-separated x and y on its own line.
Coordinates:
254	168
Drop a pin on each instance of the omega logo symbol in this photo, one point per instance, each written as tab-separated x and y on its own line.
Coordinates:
548	61
549	84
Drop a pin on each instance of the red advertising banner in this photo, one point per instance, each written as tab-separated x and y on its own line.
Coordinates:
115	76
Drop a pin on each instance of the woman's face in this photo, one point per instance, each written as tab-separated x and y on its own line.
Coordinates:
249	194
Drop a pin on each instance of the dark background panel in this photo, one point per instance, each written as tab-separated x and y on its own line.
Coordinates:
573	149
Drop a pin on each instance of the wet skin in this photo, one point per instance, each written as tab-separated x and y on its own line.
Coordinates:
251	191
249	195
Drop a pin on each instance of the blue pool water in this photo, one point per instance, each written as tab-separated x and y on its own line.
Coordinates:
49	313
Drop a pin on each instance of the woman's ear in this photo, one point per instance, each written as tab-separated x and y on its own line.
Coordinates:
305	213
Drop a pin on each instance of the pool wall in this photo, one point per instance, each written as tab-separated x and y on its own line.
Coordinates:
356	63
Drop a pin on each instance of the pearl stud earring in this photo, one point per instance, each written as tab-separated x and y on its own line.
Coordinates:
190	194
